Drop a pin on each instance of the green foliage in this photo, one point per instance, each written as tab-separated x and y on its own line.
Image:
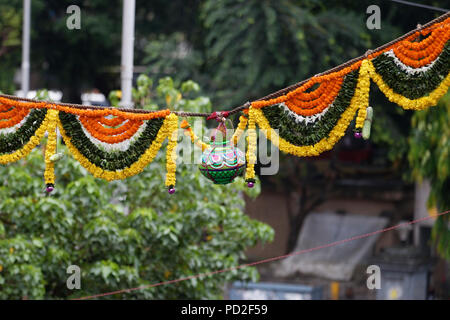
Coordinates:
388	135
10	26
173	55
254	47
123	234
429	156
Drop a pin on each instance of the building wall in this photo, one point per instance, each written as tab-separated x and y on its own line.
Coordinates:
272	208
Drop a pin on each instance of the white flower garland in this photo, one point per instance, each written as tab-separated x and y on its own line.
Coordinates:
306	120
120	146
406	68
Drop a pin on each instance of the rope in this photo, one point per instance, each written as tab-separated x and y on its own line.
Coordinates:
247	104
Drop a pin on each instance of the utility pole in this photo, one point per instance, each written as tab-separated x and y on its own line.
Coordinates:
25	78
127	52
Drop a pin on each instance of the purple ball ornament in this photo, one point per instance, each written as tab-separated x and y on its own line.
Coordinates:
250	184
49	188
171	190
358	135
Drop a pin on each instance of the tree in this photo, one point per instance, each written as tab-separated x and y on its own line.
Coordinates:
10	25
200	228
429	158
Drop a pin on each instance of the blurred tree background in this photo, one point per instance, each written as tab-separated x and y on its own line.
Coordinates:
10	32
237	51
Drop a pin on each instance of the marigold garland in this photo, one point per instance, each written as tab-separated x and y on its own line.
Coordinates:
243	120
50	149
131	170
300	130
91	113
250	156
359	98
111	135
26	148
15	137
12	117
190	133
405	103
428	50
304	121
171	153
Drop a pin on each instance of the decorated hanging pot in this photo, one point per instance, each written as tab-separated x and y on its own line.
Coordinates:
222	162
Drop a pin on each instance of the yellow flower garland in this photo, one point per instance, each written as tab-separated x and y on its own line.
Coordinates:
362	112
405	103
364	77
240	129
30	145
171	153
134	169
251	149
50	149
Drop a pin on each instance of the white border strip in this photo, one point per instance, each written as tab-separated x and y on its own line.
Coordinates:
308	119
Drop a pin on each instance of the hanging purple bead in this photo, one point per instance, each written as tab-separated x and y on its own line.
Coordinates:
358	135
171	190
250	184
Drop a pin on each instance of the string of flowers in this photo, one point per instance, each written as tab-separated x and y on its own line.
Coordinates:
14	127
250	155
50	150
190	133
243	120
171	154
362	100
